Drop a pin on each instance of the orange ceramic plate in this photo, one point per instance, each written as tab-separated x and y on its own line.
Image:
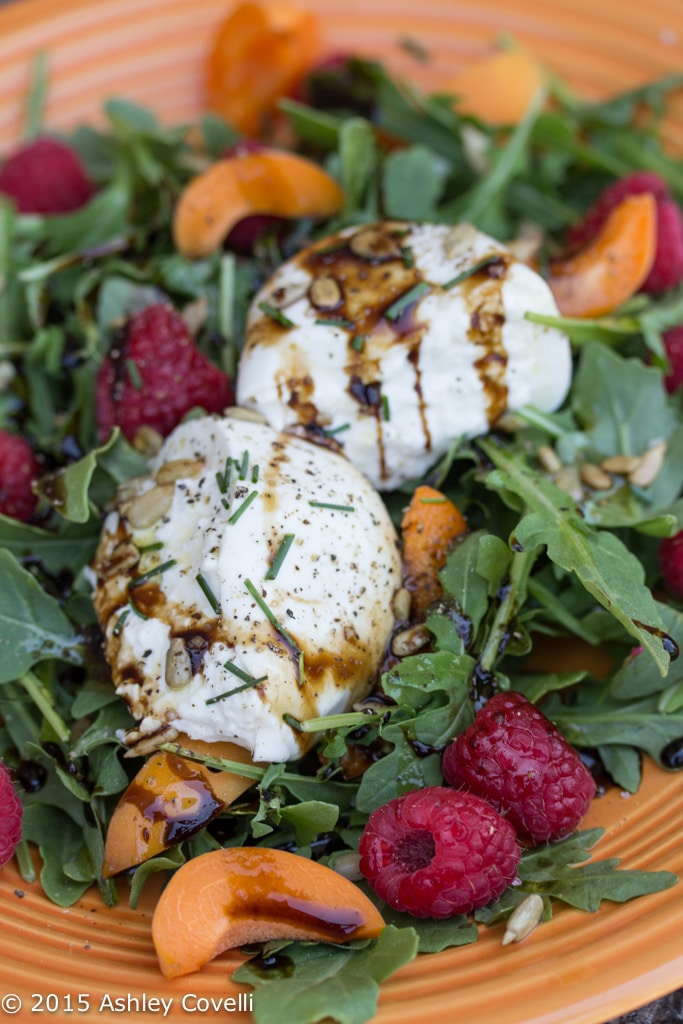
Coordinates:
90	963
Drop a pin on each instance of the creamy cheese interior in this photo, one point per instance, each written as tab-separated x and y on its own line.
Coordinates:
243	586
396	339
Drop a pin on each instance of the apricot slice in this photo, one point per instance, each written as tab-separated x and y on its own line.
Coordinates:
498	89
258	54
610	269
169	799
269	181
429	528
234	897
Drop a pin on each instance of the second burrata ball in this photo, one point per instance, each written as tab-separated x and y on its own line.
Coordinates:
245	585
394	340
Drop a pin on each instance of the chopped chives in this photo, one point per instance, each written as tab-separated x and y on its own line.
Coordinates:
134	374
223	479
145	549
358	342
470	271
155	571
254	474
208	594
242	508
243	466
408	258
386	411
137	611
331	431
275	314
432	501
236	689
280	555
241	674
330	504
331	321
293	722
120	621
407	299
275	622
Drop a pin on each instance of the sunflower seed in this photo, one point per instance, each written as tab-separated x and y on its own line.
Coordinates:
549	459
178	670
620	464
595	478
523	919
650	464
179	469
409	640
401	604
149	507
325	292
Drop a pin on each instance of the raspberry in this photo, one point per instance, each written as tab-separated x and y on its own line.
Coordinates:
673	343
45	176
518	760
11	811
18	470
670	554
436	852
667	269
155	374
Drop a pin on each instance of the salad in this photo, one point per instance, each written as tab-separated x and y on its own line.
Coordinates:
562	513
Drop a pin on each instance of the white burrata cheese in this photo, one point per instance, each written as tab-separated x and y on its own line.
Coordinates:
246	585
397	339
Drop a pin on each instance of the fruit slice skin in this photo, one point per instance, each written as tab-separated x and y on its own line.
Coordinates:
169	799
269	181
429	528
611	268
241	895
497	89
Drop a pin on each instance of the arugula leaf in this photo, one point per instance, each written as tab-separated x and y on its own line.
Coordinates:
32	625
321	981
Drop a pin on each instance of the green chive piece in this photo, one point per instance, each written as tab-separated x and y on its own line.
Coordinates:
280	555
156	571
137	611
223	479
407	299
408	258
241	674
386	411
470	271
275	314
235	689
272	618
243	466
293	722
331	321
208	593
134	374
145	549
331	431
120	621
254	474
432	501
358	342
241	509
329	504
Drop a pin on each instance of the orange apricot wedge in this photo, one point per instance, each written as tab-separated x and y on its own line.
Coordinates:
257	55
170	799
241	895
612	267
268	181
429	528
497	89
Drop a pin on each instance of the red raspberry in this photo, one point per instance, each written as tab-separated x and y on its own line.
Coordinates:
436	852
18	470
518	760
667	269
673	343
45	176
154	374
670	554
11	812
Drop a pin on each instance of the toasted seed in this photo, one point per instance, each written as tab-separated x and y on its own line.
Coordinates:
195	314
401	604
178	670
549	459
460	240
348	865
409	640
621	464
325	292
149	507
130	489
179	469
568	480
123	557
241	412
595	478
650	464
509	423
374	244
144	745
523	919
147	440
